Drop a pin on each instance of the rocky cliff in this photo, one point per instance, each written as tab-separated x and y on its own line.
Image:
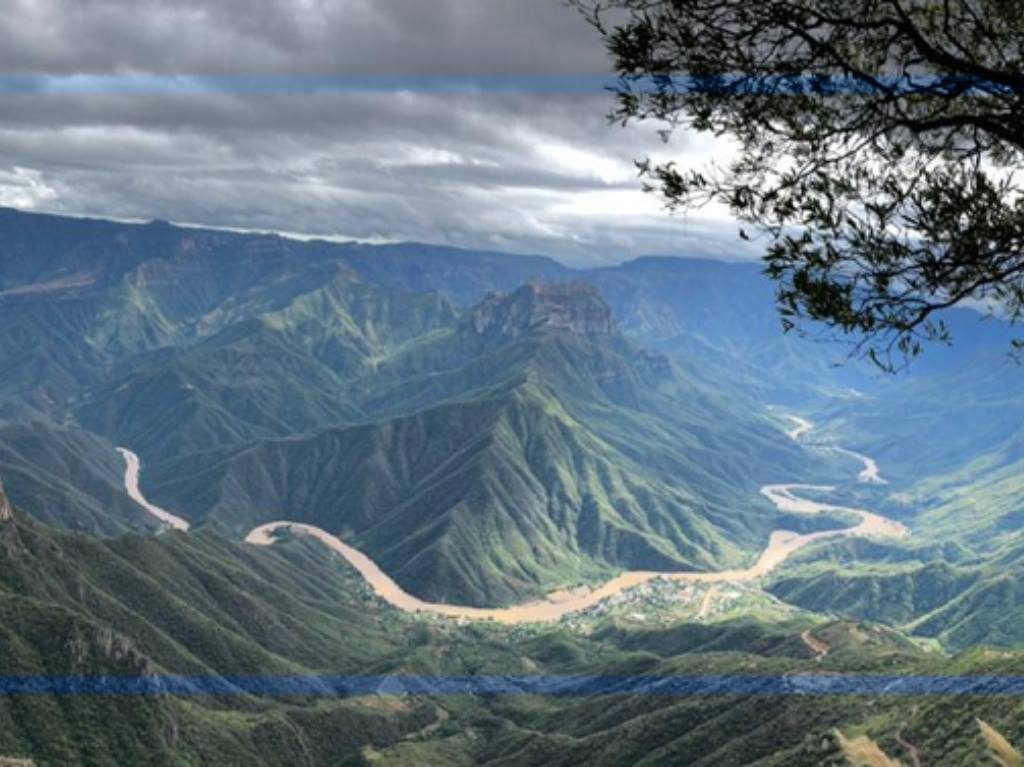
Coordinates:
5	506
574	306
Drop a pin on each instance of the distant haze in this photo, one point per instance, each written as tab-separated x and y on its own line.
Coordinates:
103	115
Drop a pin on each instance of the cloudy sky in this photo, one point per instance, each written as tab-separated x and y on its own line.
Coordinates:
448	121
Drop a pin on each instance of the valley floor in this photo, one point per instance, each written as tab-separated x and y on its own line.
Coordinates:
782	544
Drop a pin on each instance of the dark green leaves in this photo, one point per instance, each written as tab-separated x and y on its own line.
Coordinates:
869	132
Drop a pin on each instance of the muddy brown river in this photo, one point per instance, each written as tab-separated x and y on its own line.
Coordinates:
781	545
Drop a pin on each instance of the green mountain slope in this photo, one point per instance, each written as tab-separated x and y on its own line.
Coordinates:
200	604
194	604
241	384
68	477
484	453
82	297
382	393
947	593
542	448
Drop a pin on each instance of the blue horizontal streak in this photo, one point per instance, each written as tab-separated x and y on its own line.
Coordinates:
738	84
342	686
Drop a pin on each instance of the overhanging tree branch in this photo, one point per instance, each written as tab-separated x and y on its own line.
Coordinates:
879	140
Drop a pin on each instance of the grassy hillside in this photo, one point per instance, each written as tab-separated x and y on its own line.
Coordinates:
68	477
199	604
484	440
483	453
945	593
541	448
188	605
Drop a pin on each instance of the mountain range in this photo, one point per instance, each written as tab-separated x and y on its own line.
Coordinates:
202	607
488	428
482	452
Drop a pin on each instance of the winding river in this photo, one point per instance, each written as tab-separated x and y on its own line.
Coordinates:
132	468
781	545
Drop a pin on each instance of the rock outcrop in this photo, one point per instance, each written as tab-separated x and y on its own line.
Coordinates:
10	542
103	646
6	513
574	306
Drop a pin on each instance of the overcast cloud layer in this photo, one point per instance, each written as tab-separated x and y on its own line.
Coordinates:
521	171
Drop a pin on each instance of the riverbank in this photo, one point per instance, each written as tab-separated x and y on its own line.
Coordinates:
781	545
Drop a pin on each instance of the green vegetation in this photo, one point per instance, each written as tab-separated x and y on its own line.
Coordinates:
955	466
482	453
538	448
200	604
871	147
67	477
485	438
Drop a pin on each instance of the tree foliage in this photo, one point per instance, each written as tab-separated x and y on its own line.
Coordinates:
877	141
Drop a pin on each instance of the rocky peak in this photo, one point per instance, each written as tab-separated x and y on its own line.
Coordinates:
573	306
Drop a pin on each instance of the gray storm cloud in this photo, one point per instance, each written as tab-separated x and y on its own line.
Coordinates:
538	172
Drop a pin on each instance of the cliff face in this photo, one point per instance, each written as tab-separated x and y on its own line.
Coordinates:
605	358
575	306
10	543
6	514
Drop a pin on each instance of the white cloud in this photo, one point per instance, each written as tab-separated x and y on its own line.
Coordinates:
530	172
24	188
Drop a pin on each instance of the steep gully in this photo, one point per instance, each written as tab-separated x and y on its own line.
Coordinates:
781	545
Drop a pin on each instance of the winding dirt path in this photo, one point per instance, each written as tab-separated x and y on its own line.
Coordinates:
819	647
781	545
706	602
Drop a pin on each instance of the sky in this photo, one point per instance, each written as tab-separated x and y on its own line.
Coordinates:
443	121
